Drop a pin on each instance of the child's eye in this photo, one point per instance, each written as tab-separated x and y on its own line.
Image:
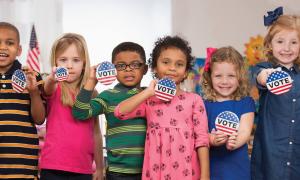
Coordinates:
77	60
180	64
279	41
62	60
120	66
165	62
10	43
295	42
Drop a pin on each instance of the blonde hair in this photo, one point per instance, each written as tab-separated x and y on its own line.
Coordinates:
284	22
229	55
60	46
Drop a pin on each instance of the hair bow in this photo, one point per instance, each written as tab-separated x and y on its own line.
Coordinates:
272	16
209	52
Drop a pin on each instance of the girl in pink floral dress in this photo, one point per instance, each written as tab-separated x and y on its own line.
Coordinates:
177	135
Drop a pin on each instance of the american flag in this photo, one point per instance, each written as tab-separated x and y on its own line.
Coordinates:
18	81
34	52
61	74
163	84
106	73
227	122
279	82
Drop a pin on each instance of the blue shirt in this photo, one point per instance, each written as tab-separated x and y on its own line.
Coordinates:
225	164
276	148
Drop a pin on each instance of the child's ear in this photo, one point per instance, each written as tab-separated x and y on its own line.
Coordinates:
19	50
186	74
145	69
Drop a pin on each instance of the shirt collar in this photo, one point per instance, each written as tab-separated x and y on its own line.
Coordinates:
16	65
121	87
294	68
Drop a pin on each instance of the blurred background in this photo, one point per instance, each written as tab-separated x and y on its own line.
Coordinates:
106	23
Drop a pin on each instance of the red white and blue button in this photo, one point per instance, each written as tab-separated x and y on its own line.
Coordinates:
106	73
165	89
279	82
227	122
18	81
61	74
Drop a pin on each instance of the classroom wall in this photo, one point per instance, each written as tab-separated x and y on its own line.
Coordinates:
45	14
105	23
219	23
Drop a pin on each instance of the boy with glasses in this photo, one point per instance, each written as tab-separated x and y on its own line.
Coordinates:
124	139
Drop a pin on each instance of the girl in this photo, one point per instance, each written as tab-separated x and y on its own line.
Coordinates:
225	86
276	151
70	145
177	130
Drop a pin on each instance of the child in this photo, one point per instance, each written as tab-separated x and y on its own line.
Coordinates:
124	140
70	145
225	86
19	143
276	151
177	130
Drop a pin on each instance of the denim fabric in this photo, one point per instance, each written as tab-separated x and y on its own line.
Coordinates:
276	150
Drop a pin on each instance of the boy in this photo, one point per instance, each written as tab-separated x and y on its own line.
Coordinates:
19	143
125	139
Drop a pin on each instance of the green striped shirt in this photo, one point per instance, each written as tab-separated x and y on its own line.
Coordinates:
124	139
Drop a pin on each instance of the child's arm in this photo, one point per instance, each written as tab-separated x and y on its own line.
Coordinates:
132	103
236	140
50	83
86	107
201	136
203	154
36	101
98	152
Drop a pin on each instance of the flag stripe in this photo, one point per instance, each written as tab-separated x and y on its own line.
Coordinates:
33	52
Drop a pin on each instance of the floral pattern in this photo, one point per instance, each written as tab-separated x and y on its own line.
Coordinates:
175	130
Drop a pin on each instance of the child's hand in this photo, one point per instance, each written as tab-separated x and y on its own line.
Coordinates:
31	83
151	88
92	75
92	80
217	138
232	141
263	75
51	76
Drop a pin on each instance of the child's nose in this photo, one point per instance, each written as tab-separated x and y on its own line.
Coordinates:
2	45
172	67
224	80
287	46
69	64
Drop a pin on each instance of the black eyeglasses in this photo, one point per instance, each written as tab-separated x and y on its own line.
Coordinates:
123	66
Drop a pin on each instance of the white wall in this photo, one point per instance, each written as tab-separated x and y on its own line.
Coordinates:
218	23
105	24
44	14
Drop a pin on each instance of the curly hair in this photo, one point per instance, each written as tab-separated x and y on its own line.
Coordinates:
171	42
284	22
229	55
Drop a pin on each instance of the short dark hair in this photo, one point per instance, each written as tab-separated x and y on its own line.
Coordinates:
11	27
129	46
169	42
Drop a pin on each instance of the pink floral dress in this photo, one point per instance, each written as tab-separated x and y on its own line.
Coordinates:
174	131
